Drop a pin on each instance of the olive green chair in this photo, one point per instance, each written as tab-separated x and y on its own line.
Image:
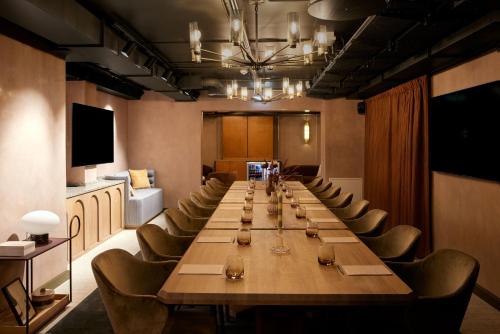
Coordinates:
321	188
201	200
158	245
340	201
352	211
314	183
180	224
215	190
370	225
443	283
398	244
208	193
226	178
128	289
190	208
331	192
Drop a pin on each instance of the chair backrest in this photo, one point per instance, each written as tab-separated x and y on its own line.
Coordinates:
398	244
207	192
155	243
202	201
314	183
371	224
340	201
321	188
331	192
190	208
444	285
354	210
225	177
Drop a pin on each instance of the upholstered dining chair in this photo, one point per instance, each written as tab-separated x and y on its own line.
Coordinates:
220	183
201	200
443	283
331	192
371	224
158	245
207	192
129	287
192	210
340	201
321	188
215	189
180	224
314	183
352	211
398	244
227	178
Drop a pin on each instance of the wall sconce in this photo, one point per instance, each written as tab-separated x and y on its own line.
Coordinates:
307	132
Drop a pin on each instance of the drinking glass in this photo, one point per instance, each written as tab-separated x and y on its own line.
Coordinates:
326	254
246	216
234	267
248	206
312	228
300	211
289	193
293	202
244	236
249	196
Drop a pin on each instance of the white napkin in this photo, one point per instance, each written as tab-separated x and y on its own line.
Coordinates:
364	270
339	239
316	208
201	269
325	220
222	226
221	239
225	220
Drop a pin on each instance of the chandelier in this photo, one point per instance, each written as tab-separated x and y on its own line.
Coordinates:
257	60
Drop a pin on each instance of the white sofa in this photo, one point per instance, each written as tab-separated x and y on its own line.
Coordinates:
145	204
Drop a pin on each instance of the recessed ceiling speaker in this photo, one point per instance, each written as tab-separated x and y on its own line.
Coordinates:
343	10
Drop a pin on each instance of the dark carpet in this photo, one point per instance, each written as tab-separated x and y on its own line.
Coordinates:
87	317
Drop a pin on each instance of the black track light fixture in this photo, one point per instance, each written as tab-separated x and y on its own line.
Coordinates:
128	49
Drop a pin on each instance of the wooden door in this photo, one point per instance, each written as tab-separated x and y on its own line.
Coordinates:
260	137
234	137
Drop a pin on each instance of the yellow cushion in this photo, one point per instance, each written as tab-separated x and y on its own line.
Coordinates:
139	178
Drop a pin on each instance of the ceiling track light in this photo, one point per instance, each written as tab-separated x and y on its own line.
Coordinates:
127	50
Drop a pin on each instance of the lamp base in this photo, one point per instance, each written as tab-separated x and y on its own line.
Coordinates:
40	239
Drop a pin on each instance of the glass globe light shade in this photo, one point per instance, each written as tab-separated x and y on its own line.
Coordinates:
40	222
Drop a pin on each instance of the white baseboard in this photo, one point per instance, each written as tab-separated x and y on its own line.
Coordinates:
350	184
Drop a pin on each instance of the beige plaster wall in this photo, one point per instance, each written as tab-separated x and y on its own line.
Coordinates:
32	141
167	136
466	211
292	147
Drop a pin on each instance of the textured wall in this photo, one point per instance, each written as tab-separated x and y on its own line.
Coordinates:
466	211
167	136
32	140
292	147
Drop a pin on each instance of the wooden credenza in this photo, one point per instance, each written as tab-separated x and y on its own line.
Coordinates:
100	207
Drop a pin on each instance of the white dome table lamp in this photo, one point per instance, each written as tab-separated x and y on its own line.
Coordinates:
38	224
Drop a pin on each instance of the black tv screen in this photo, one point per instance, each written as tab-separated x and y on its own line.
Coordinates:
465	132
92	135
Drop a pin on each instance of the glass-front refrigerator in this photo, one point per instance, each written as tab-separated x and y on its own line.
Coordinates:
254	169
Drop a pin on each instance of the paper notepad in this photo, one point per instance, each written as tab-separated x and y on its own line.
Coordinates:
339	239
223	226
364	270
325	220
316	208
221	239
303	200
201	269
230	207
225	220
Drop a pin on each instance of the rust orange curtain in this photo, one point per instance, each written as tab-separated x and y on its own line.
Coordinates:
397	156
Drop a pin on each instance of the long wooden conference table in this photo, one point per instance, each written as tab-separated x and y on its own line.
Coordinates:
287	280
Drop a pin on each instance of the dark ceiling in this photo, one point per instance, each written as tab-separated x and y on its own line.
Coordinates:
401	39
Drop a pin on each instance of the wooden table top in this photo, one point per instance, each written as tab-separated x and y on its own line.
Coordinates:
293	279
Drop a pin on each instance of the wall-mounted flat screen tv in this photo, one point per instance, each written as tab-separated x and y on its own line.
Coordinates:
92	135
465	132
